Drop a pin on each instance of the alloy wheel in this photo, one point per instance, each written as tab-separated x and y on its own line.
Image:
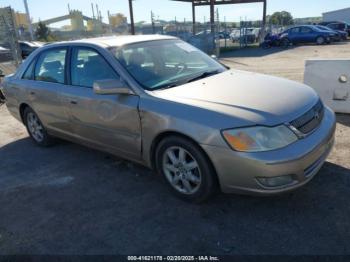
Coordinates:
320	40
35	127
181	170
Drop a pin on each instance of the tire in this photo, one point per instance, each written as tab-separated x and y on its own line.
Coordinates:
36	129
320	40
285	43
193	179
266	45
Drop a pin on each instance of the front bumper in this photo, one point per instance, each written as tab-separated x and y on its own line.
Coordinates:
335	38
238	172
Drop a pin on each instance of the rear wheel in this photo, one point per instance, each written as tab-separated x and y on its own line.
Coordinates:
36	129
186	169
320	40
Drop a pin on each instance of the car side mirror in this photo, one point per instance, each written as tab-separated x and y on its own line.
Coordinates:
214	57
111	87
1	73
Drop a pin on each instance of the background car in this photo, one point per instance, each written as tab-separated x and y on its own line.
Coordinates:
5	54
223	35
339	26
235	35
339	35
245	35
28	47
306	34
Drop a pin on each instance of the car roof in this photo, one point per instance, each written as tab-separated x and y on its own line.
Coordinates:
112	41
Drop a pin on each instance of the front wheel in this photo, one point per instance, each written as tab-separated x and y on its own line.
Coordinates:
285	43
186	169
36	129
266	45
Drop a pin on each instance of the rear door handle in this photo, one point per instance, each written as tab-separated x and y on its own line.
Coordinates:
73	102
32	93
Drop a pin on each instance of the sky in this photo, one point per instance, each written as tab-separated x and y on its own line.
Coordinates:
168	10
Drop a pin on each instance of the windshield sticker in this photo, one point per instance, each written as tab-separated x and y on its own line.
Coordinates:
188	48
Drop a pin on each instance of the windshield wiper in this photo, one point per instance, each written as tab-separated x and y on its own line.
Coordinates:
203	75
181	82
166	86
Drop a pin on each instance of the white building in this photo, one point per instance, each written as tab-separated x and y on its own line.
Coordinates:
338	15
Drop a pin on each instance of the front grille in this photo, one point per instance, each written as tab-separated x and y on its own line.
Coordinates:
309	121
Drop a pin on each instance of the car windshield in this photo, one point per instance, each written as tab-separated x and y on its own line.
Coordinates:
165	63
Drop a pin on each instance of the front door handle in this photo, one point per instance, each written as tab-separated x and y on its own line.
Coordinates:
32	93
73	102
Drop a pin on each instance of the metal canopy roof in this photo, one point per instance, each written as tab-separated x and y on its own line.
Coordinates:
212	4
219	2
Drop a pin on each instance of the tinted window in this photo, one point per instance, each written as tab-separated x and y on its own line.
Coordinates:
29	72
50	66
295	30
305	30
337	26
88	66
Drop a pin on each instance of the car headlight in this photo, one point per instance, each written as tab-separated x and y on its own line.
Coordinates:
259	138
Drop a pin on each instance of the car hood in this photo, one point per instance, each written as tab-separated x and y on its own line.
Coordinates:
250	97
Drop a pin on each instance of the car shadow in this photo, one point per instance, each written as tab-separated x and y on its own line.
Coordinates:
69	199
260	52
253	52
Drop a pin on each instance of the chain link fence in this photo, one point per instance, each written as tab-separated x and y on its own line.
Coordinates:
9	47
227	37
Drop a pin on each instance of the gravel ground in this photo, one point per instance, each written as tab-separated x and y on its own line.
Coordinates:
288	63
69	199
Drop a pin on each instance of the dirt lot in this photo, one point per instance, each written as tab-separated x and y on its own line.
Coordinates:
285	63
73	200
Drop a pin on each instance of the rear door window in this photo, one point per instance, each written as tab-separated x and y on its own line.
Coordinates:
51	66
305	30
295	30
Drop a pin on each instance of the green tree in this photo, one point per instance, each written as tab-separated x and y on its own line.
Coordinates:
281	18
43	33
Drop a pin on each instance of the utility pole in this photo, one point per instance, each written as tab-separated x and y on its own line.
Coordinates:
263	28
131	17
193	19
97	12
93	12
218	19
30	27
225	31
212	17
153	25
109	22
177	31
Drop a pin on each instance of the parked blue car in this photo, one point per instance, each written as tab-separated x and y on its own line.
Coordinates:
338	26
306	34
340	35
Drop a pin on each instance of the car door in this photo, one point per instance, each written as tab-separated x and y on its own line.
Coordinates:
108	121
294	35
307	35
43	82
